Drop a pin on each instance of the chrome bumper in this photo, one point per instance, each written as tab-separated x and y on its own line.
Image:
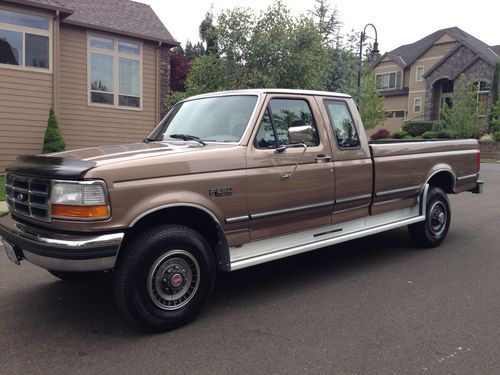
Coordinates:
61	252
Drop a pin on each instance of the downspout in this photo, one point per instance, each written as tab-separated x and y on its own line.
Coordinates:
158	83
55	65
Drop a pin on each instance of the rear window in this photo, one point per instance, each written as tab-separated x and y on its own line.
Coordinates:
342	123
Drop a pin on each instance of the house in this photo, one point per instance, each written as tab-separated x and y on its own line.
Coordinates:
101	64
417	79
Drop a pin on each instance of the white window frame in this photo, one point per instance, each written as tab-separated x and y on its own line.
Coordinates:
29	30
419	105
423	72
480	92
116	73
388	73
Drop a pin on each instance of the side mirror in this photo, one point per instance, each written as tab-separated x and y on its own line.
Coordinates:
300	134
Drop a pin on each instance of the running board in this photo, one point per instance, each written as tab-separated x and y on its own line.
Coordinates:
267	250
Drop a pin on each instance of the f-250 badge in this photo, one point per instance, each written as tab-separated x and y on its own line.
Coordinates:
222	191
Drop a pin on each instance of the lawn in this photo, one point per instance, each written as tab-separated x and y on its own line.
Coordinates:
2	188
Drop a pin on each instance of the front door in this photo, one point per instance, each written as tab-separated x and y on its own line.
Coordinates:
290	170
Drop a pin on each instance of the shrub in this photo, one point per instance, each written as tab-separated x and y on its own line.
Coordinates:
496	135
53	140
429	135
479	134
486	138
381	134
442	135
399	135
416	128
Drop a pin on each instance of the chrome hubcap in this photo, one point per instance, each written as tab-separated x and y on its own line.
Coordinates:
437	217
173	279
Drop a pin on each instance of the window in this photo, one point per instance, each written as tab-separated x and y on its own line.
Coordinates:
420	73
417	105
483	96
24	40
287	121
386	81
342	123
115	72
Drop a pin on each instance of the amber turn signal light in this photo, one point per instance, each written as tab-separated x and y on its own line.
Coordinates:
80	212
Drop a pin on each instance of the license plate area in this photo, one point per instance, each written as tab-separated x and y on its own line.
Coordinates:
11	252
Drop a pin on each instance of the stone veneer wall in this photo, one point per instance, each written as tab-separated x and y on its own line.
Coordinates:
164	79
452	68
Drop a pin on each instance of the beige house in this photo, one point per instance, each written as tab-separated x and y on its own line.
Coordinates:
102	65
417	79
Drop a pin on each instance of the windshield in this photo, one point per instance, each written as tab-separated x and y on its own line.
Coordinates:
217	119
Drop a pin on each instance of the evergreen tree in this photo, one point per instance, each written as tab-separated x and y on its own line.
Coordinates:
495	83
53	140
462	118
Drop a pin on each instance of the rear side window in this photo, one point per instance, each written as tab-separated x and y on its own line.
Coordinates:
342	124
287	121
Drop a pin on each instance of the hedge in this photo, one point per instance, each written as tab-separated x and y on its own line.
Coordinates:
417	128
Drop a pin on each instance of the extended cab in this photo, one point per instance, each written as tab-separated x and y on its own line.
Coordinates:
227	180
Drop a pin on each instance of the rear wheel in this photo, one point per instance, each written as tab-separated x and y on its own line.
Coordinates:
432	231
164	276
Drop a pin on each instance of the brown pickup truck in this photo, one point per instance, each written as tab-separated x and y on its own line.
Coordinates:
227	180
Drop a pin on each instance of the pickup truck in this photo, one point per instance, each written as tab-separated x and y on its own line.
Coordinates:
227	180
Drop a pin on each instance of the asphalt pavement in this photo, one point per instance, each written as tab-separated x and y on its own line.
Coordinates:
372	306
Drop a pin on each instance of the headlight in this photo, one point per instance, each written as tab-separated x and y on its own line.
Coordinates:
85	200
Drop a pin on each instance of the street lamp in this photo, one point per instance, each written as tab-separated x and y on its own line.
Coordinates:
374	52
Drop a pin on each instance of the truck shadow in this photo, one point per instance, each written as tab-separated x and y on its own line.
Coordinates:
88	307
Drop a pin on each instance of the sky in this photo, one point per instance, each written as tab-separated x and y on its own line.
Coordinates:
398	22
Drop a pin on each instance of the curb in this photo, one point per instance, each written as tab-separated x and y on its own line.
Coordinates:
3	206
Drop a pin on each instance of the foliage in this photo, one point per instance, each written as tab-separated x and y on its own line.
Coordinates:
429	135
371	104
496	135
495	84
487	138
2	188
462	118
382	133
442	135
399	135
179	69
495	117
53	140
272	49
417	128
175	97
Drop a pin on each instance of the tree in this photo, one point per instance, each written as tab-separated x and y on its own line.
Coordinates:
179	69
327	21
208	32
193	51
495	83
462	117
371	104
53	140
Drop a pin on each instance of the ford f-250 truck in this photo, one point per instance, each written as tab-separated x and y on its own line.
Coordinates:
227	180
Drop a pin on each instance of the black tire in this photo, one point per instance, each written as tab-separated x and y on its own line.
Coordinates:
432	231
163	277
75	276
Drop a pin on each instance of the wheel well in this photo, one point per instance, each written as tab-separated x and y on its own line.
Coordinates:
444	180
195	219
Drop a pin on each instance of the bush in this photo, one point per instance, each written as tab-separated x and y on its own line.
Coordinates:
53	140
429	135
416	128
399	135
486	138
442	135
496	135
381	134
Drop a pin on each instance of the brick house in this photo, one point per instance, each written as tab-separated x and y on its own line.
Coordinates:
102	65
417	79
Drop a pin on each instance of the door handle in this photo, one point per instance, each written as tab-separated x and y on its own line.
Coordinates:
322	158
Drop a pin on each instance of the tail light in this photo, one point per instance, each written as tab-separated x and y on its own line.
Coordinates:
478	161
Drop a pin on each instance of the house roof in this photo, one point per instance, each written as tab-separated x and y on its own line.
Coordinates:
406	54
496	49
119	16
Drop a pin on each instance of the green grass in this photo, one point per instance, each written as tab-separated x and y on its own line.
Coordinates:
488	160
2	188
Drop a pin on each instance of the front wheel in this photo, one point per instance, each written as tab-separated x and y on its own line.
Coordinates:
432	231
164	276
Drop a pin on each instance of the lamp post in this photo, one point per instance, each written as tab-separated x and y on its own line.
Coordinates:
374	52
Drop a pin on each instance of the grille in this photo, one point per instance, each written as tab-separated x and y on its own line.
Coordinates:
28	196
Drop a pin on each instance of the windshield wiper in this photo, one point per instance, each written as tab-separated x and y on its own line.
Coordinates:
187	137
147	140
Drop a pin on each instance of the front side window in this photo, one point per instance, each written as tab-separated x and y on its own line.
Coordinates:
115	72
342	124
386	81
286	122
417	105
24	39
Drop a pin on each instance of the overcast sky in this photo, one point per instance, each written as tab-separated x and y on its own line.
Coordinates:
397	22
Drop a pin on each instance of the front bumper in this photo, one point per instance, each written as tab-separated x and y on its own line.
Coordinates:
61	252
